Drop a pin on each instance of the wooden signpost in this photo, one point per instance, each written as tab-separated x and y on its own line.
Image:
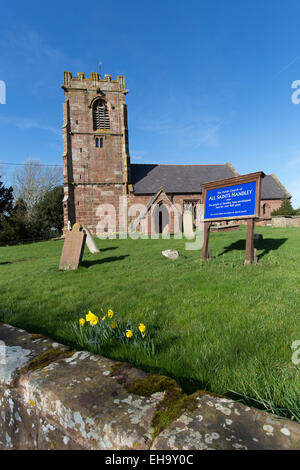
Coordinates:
233	199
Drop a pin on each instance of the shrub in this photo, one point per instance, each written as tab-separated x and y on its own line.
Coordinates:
285	208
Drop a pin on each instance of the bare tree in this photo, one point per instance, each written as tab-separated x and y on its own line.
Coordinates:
33	180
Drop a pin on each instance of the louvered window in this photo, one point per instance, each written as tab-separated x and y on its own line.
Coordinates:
100	116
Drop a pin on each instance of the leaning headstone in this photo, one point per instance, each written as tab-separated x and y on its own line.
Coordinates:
90	242
73	248
171	254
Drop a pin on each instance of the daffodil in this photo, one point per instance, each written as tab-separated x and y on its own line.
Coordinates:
142	328
94	320
128	333
110	313
89	316
103	318
113	324
82	321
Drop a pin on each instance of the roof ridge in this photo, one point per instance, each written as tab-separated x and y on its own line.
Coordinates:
182	164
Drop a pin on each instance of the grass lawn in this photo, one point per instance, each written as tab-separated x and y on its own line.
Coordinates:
217	325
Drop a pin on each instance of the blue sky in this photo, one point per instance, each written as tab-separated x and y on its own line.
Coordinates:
209	80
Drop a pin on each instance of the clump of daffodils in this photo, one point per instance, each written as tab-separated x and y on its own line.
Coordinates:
99	331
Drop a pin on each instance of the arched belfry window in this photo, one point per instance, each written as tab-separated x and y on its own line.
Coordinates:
100	115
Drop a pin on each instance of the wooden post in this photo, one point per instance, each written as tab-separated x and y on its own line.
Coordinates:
204	252
250	242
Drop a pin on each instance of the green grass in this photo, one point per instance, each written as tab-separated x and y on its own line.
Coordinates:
217	326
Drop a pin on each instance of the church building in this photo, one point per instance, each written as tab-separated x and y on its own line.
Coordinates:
97	168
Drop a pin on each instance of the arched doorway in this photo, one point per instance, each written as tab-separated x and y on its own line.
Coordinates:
266	210
161	218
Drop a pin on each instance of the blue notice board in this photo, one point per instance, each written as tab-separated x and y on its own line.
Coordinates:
231	201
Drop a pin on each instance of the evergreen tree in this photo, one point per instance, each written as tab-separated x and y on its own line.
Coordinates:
286	208
6	202
47	216
15	227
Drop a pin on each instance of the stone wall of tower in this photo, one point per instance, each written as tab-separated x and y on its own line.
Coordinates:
94	175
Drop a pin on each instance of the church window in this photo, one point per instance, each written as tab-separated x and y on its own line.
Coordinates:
100	116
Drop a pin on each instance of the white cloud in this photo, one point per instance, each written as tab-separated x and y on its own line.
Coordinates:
25	123
200	131
29	44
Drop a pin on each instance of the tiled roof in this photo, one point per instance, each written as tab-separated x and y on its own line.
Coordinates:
271	188
182	179
185	179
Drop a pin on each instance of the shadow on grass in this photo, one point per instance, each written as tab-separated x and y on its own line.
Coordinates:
102	250
16	261
87	264
267	245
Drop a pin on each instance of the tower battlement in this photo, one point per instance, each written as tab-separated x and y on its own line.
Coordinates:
92	81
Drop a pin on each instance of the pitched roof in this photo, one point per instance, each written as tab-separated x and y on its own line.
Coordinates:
271	188
185	179
182	179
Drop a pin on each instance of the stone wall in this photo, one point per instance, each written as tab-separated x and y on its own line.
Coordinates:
285	221
54	398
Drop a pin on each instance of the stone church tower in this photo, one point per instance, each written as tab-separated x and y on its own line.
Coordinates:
96	162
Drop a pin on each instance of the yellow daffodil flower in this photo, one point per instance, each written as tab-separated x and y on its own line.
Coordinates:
82	321
142	328
93	319
128	333
89	316
110	313
103	318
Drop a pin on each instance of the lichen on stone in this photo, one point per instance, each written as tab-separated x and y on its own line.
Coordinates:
47	357
173	404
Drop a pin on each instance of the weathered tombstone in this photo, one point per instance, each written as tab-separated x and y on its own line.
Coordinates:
90	242
73	248
188	220
166	231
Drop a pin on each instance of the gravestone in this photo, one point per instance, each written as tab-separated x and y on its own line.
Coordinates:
73	248
188	228
166	231
90	242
